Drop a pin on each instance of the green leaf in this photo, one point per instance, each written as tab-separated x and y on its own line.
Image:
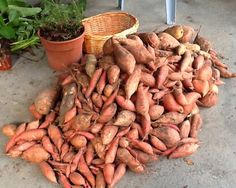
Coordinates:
25	11
2	23
13	15
18	3
3	5
7	32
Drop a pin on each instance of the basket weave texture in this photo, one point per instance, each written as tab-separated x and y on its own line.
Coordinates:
101	27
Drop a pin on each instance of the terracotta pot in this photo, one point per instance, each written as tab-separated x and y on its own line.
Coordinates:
61	54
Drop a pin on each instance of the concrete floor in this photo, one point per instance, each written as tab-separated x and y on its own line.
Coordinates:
214	163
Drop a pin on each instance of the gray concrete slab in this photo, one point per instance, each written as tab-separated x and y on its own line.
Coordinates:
214	163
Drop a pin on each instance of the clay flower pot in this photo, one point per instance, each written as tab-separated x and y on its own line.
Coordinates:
5	62
61	54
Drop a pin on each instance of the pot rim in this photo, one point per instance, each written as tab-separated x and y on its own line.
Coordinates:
61	42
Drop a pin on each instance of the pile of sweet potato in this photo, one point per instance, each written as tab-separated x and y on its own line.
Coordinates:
137	102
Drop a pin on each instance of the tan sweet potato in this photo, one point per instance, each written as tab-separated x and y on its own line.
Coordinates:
124	59
144	146
78	141
45	100
113	74
142	103
35	154
81	121
209	100
157	143
124	118
147	79
107	113
77	179
90	64
111	152
162	76
155	111
171	118
175	31
203	43
188	34
99	147
185	129
133	134
119	173
143	157
9	130
187	60
167	41
125	157
108	171
132	82
125	103
48	171
101	82
150	39
100	180
184	150
106	61
108	133
56	136
201	86
166	134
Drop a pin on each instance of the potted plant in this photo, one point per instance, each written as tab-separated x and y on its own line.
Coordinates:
61	32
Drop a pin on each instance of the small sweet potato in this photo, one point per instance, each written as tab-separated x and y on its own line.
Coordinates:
166	134
170	104
125	157
108	47
203	43
157	143
106	61
45	100
108	171
48	171
77	179
100	180
142	157
56	136
36	154
142	103
155	111
9	130
132	82
111	152
161	76
185	129
175	31
90	64
171	118
99	147
124	59
119	173
125	118
107	113
188	34
113	74
147	79
78	141
81	121
150	39
184	150
167	41
125	104
108	133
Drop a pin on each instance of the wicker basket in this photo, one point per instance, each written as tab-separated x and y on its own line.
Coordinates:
101	27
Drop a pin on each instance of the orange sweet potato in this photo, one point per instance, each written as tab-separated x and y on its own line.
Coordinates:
78	141
185	129
111	152
125	118
48	171
113	74
184	150
157	143
77	179
56	136
125	103
188	34
119	173
171	118
147	79
167	41
170	104
9	130
108	133
100	180
150	39
108	171
107	113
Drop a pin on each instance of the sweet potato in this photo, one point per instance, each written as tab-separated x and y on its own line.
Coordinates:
142	104
108	171
146	125
34	112
132	82
157	143
97	100
124	142
35	154
201	86
93	81
198	62
90	64
203	43
113	74
89	155
187	60
101	82
108	133
31	135
125	104
45	100
204	73
56	136
125	157
50	118
147	79
119	173
81	122
124	59
181	49
180	97
196	123
124	118
99	147
144	146
108	90
64	181
48	171
171	118
112	97
185	129
77	179
184	150
85	171
166	134
175	31
9	130
142	157
209	100
155	111
162	76
150	39
224	73
49	147
17	150
111	152
78	141
106	61
188	34
70	114
100	180
95	128
167	41
176	76
68	99
170	104
107	113
133	134
108	47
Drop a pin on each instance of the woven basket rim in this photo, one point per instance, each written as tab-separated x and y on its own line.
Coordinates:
102	37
